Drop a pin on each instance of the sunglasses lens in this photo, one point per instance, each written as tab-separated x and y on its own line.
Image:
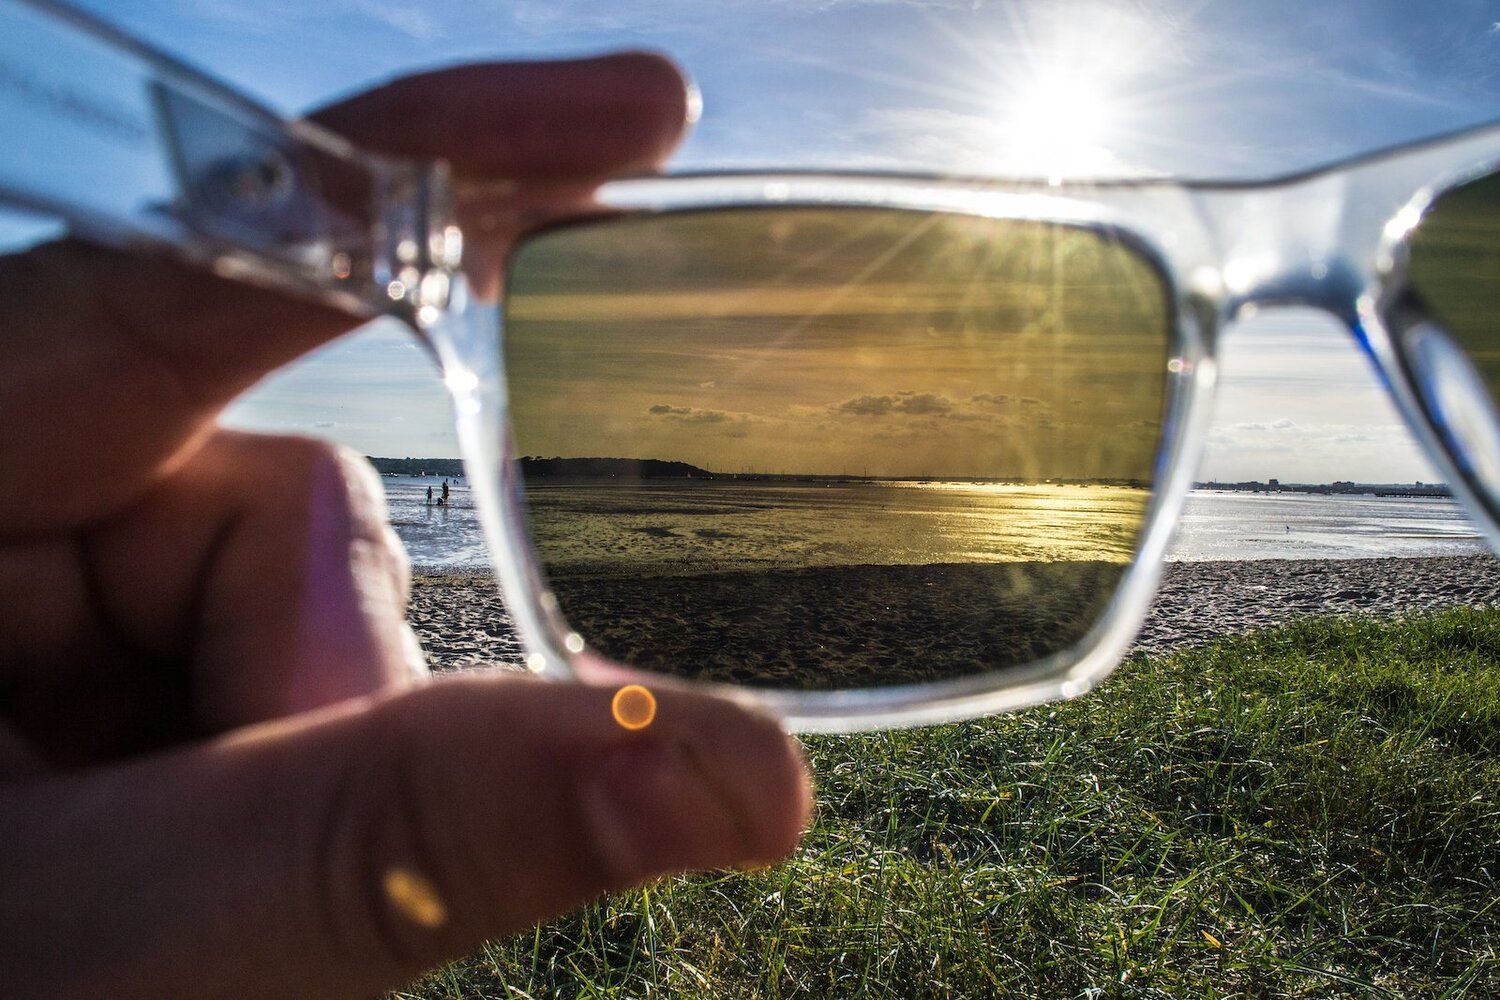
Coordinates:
1454	271
823	448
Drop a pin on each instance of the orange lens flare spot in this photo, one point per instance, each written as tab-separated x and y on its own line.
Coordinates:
415	898
634	707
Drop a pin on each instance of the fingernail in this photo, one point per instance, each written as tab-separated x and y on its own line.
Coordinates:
651	811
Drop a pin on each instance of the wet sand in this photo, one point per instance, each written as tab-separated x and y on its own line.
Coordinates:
461	621
829	627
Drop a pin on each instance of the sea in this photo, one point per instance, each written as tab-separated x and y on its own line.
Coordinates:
840	523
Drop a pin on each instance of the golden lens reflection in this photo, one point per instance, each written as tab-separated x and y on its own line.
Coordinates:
634	707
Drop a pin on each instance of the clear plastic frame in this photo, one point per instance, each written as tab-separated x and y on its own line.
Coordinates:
1334	239
1329	239
136	150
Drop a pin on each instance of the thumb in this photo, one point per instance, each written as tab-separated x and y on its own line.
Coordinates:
339	854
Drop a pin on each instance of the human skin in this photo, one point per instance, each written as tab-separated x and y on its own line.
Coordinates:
217	741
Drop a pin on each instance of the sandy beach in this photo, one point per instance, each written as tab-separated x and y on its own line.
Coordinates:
461	621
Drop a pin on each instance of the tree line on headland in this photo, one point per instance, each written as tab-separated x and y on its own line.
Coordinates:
535	467
1338	488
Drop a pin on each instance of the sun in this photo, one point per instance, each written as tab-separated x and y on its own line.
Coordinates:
1060	124
1066	100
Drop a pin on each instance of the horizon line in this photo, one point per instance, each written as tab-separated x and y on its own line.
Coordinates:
1197	484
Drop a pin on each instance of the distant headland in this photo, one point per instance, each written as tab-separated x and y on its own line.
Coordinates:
447	467
1340	488
534	467
610	468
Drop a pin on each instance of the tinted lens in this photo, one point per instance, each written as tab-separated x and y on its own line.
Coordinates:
832	448
1454	271
1455	268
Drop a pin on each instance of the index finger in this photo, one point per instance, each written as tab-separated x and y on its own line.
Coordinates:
579	119
141	353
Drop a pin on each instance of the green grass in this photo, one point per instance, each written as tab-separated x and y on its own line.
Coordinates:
1309	811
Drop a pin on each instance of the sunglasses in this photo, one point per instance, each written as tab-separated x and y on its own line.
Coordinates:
863	450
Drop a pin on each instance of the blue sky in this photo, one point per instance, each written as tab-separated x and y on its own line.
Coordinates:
1202	89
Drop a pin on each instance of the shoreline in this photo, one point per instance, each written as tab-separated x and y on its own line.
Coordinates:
461	621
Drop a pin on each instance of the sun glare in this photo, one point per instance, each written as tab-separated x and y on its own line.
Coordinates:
1066	94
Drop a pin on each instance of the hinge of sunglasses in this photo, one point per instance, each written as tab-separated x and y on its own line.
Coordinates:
130	148
287	204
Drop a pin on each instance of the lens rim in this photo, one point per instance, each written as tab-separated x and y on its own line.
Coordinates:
1393	323
1160	343
555	648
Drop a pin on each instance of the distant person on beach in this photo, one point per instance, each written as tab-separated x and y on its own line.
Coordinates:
223	769
445	491
429	496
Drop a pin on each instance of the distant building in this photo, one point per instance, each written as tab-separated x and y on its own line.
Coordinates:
1275	484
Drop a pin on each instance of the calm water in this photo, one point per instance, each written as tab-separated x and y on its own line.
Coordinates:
770	525
1310	526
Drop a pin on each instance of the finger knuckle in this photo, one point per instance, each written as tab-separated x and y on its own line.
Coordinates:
345	486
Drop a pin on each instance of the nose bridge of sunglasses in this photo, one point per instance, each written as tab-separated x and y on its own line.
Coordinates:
1287	245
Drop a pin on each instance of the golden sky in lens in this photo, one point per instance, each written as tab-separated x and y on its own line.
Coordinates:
839	341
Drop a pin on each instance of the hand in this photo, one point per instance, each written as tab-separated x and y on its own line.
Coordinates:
219	775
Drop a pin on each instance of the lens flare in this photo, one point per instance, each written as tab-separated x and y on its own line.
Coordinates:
634	707
415	897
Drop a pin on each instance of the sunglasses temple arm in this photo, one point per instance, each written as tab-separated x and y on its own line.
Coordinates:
130	148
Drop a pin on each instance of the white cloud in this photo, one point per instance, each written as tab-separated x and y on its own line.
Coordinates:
412	20
1297	401
373	390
